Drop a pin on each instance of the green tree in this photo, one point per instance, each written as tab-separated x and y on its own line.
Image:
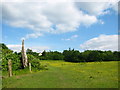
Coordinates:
71	55
29	51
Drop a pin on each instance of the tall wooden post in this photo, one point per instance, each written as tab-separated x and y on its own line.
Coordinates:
24	56
30	67
10	68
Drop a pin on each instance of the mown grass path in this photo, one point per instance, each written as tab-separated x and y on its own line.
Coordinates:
62	74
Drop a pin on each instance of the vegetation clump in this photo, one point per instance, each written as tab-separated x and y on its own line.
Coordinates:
16	58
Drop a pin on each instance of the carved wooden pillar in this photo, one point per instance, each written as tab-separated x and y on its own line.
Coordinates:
24	56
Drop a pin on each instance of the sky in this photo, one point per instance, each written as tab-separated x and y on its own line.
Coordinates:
59	25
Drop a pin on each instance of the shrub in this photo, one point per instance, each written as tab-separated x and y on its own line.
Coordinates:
35	62
16	61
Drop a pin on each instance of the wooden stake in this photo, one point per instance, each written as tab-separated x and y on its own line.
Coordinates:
10	67
30	67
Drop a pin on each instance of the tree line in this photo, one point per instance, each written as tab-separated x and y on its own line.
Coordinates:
69	55
72	55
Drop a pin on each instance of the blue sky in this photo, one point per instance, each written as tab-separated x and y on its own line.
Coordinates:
53	27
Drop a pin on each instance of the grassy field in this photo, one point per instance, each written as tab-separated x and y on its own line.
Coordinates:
62	74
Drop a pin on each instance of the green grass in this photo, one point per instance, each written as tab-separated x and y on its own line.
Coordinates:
62	74
0	79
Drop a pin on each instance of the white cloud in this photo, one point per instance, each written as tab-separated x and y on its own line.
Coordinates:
52	17
58	0
102	42
17	48
101	21
74	36
71	38
33	35
93	8
98	8
39	49
41	17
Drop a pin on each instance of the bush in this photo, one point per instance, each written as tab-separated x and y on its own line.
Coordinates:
35	62
16	61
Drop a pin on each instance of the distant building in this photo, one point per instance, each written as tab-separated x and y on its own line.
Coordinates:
40	54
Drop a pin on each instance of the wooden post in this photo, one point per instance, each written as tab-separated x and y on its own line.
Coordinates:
10	67
30	67
24	56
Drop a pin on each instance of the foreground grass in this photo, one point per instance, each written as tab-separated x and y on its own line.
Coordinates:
62	74
0	79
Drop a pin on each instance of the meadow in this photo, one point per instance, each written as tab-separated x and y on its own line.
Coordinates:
61	74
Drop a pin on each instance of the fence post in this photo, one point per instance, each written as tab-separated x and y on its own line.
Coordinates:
10	67
30	67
